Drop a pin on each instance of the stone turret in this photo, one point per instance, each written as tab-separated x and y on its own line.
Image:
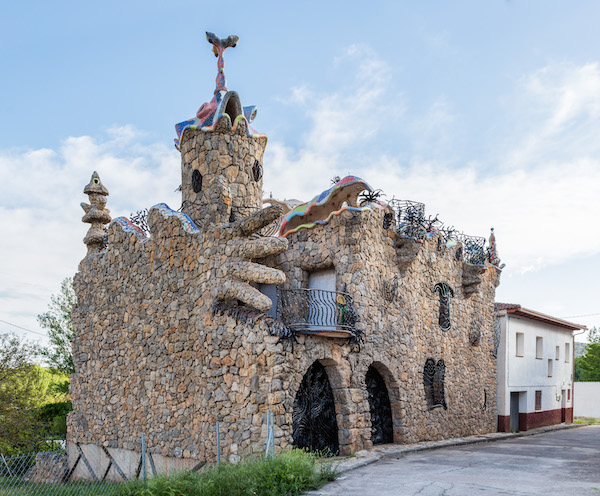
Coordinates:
95	213
221	155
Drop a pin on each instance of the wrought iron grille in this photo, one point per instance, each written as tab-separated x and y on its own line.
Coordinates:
433	381
496	335
445	292
140	219
410	216
473	251
316	310
379	405
314	424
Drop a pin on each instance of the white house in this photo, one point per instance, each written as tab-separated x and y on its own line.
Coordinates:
535	368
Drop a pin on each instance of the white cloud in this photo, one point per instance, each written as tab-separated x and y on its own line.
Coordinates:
40	216
539	192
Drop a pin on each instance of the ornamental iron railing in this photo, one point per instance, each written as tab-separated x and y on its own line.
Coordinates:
313	311
411	222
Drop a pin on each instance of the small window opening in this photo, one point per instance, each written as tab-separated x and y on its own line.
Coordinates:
538	400
567	352
550	362
520	344
196	181
539	347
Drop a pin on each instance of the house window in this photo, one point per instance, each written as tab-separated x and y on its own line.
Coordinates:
445	292
538	400
568	395
558	353
539	347
270	290
550	362
567	352
433	381
520	344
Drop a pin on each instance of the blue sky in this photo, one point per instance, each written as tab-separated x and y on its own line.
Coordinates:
488	112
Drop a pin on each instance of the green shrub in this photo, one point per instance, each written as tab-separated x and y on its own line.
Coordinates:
290	473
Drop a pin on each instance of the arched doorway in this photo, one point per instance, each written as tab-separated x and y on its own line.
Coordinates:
381	411
313	418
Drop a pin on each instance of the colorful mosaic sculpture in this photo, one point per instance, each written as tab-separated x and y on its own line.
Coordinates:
95	213
493	257
128	226
225	104
342	196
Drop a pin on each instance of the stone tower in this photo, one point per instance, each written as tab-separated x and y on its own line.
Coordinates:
221	155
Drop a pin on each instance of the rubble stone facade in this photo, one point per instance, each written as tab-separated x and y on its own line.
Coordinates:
172	334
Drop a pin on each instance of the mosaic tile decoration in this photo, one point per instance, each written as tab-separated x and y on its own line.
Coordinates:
321	200
209	113
187	223
129	227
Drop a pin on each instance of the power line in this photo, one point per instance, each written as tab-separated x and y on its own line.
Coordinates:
23	328
577	316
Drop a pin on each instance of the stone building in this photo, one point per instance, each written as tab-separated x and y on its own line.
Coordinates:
353	321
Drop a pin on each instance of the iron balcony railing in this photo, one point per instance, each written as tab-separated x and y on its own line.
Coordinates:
314	311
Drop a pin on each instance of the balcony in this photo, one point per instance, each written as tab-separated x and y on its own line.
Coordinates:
318	312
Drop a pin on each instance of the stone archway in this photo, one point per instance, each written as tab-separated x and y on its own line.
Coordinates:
314	421
382	430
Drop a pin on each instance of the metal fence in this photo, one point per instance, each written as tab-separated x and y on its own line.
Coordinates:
49	473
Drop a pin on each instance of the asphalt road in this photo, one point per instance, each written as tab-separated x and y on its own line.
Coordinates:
565	462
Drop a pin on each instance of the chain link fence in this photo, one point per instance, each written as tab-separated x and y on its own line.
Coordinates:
49	473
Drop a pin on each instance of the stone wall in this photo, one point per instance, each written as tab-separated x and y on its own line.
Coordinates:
153	354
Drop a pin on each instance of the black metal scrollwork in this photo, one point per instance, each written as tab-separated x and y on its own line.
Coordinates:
445	292
314	424
381	410
433	381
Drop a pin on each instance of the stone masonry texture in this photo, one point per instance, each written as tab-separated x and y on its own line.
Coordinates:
152	355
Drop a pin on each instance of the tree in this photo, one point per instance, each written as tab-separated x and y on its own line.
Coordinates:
57	321
587	367
20	382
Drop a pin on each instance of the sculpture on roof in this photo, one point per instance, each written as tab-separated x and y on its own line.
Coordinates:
95	213
224	103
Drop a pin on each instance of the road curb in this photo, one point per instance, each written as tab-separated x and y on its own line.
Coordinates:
395	451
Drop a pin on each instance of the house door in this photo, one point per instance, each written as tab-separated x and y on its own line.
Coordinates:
563	406
314	424
514	412
321	301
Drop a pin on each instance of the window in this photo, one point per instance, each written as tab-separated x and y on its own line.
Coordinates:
567	352
538	400
433	381
445	292
520	344
568	395
558	353
550	367
539	347
322	306
270	290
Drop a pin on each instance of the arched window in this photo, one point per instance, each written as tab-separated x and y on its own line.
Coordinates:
314	421
445	292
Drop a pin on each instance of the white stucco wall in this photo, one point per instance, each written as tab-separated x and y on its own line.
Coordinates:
587	399
529	374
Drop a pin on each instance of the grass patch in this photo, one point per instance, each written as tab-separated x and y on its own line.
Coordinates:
8	487
290	473
586	420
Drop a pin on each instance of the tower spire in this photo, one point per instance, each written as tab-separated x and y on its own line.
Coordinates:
219	47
